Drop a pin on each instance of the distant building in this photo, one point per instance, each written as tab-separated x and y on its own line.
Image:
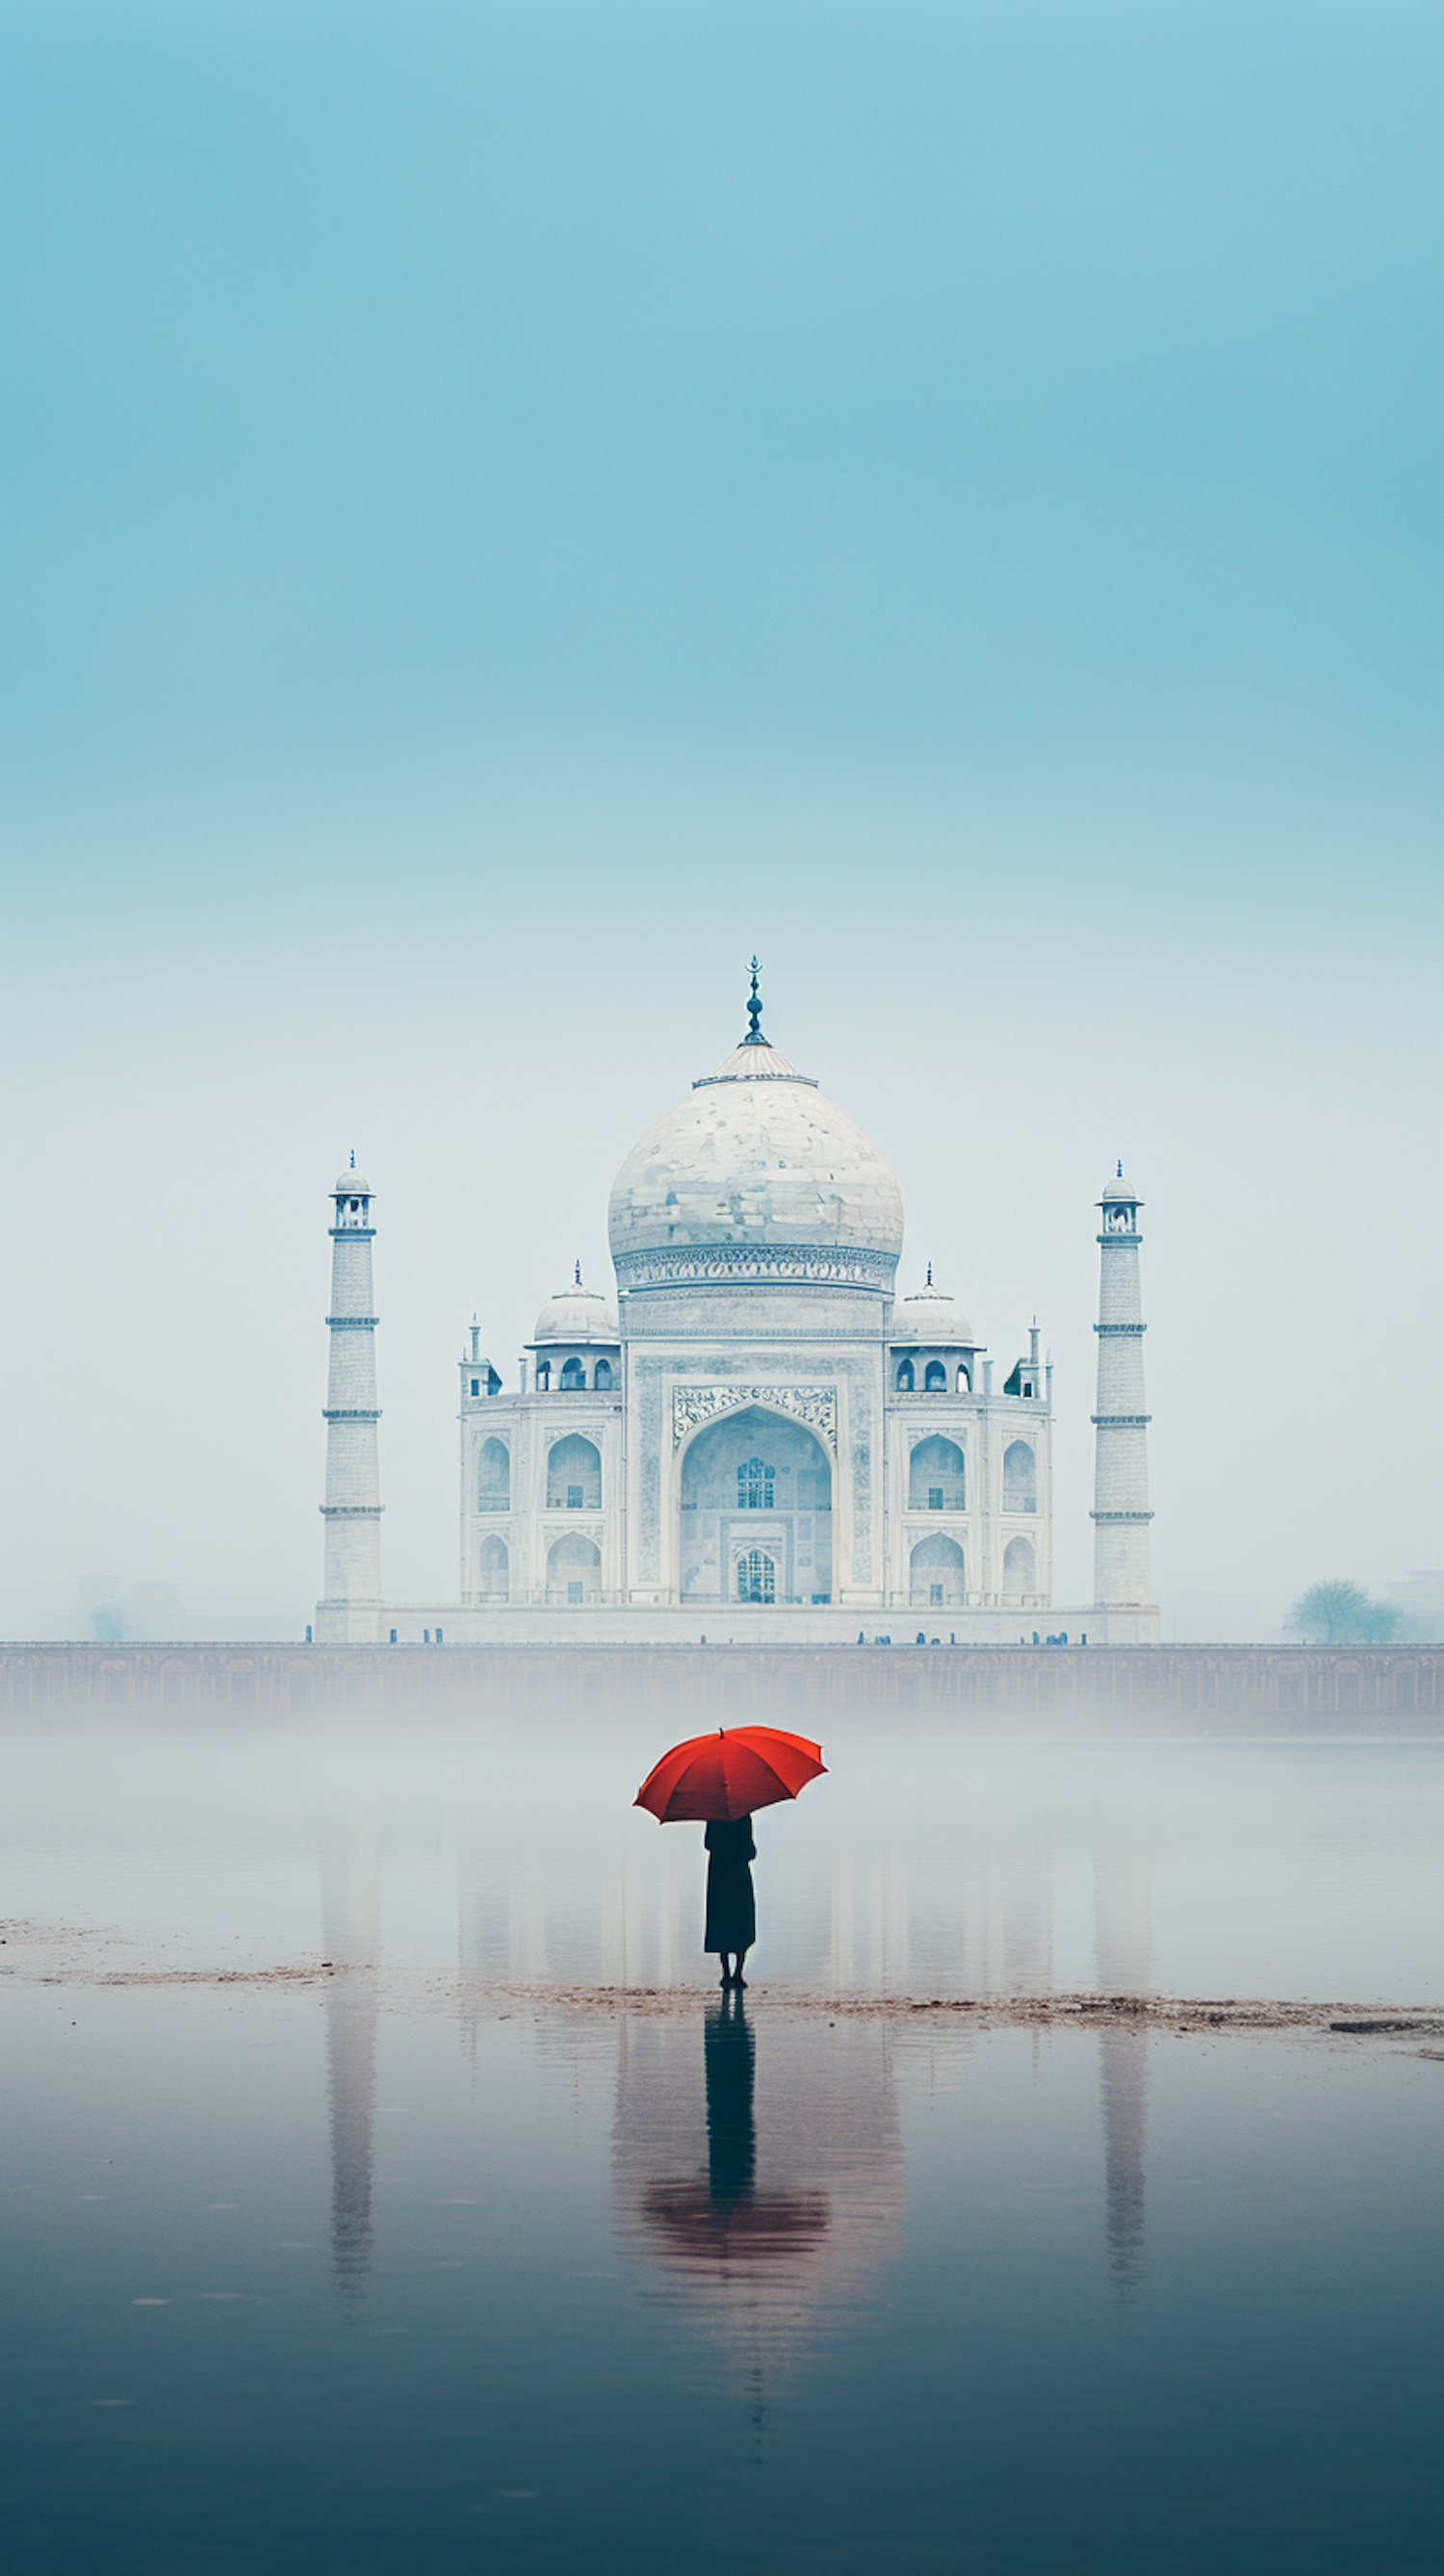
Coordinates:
1420	1597
757	1437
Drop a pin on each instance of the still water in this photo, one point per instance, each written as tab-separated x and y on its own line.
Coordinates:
446	2259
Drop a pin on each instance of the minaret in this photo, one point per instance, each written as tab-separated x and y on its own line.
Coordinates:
1121	1574
349	1613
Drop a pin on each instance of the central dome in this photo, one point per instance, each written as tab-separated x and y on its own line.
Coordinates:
756	1157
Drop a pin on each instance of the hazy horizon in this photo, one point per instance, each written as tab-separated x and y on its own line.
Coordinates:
512	512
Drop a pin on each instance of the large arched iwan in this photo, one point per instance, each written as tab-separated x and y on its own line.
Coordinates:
755	1479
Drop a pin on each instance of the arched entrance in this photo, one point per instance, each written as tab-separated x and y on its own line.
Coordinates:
1020	1478
574	1572
574	1475
756	1511
493	1477
1020	1575
937	1574
937	1476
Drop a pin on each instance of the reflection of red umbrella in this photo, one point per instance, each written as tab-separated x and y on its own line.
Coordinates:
716	1778
687	2221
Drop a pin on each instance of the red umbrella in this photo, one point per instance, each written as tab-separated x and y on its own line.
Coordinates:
715	1779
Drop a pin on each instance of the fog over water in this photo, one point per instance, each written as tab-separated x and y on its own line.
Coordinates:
1304	1870
512	512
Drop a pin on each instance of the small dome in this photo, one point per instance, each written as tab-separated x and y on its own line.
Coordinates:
1117	1189
577	1315
351	1185
931	1316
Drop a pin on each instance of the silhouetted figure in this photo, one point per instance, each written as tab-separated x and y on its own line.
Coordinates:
731	1905
731	2129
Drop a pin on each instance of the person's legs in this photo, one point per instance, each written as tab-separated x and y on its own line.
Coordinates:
739	1979
725	1955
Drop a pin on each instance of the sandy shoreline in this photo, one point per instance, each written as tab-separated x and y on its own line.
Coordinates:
70	1955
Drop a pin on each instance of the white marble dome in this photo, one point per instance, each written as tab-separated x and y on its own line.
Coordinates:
932	1318
577	1315
755	1154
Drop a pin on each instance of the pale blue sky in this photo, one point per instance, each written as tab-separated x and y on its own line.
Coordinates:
510	509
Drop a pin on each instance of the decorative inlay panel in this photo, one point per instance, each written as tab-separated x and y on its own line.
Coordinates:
736	1263
816	1406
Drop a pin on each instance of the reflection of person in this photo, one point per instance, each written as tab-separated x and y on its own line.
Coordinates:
731	2130
731	1906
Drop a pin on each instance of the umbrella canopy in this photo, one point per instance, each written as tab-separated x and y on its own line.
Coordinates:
714	1779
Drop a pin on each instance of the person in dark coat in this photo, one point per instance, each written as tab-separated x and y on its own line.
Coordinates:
731	1905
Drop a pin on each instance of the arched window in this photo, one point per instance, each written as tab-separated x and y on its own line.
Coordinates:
574	1475
573	1375
937	1574
493	1477
543	1376
756	1576
937	1476
935	1378
964	1384
1020	1478
755	1486
905	1377
493	1569
574	1572
604	1375
1019	1576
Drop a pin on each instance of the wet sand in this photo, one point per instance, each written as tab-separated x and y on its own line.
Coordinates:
101	1957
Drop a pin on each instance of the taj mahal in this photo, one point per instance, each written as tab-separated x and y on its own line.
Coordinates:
757	1439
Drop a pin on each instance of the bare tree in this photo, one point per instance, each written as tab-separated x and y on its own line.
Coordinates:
1340	1613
